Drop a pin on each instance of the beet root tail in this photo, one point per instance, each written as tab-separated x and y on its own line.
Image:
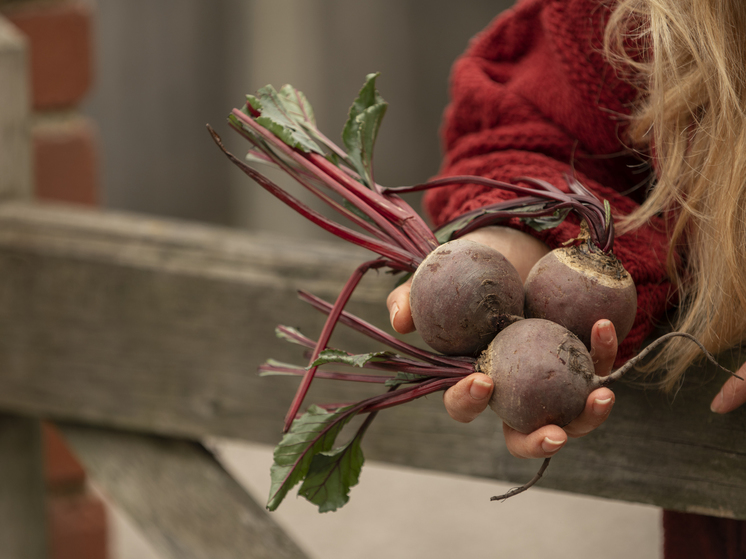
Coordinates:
516	490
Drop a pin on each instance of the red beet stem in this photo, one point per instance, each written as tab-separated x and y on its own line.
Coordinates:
372	204
466	363
582	201
404	395
400	215
331	375
313	171
382	248
326	334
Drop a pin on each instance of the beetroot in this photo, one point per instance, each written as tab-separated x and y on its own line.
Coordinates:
462	294
575	287
542	374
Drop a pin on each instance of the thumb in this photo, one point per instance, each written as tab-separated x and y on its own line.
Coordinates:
399	309
468	398
731	395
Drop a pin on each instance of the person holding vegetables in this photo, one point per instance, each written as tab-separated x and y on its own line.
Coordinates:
644	101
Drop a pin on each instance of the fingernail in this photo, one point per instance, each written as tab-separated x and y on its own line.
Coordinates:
549	445
480	389
606	331
393	312
601	407
717	403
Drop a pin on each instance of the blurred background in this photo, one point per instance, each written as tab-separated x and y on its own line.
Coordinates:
139	81
164	69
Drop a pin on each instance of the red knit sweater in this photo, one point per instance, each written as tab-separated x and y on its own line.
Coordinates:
533	96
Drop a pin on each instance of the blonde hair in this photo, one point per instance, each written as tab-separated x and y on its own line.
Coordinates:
688	57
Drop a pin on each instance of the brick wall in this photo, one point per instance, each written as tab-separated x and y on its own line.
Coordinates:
61	59
65	155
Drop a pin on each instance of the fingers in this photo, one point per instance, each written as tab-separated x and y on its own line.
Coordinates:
732	394
467	399
599	403
548	440
597	409
399	310
542	443
603	347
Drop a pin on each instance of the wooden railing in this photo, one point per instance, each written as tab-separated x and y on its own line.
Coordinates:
140	337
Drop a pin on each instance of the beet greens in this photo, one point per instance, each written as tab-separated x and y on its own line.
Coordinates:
281	128
282	131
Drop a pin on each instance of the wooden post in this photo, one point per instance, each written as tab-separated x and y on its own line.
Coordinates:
15	133
185	503
22	495
22	504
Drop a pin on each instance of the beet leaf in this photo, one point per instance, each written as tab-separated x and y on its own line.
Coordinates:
331	475
283	113
404	378
361	129
311	433
354	360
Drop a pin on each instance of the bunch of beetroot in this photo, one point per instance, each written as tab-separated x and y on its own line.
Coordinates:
467	300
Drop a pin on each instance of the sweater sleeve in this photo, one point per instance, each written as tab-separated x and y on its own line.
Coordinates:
533	96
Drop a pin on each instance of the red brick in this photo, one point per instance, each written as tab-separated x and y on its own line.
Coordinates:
65	161
77	527
62	471
60	40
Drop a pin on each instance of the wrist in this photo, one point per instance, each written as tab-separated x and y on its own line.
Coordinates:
521	249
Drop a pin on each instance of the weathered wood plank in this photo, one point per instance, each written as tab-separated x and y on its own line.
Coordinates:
183	501
158	326
153	324
23	522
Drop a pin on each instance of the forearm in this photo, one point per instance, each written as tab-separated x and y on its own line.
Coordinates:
521	249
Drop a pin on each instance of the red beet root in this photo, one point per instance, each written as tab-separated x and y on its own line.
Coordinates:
576	287
462	294
542	374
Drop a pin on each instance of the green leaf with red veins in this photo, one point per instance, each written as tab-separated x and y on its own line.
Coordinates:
312	433
297	106
539	223
338	356
332	474
361	129
283	113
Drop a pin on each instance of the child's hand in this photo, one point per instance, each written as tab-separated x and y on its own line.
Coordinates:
470	397
521	249
467	399
732	395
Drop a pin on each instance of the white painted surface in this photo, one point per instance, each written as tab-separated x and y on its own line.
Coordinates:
401	513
